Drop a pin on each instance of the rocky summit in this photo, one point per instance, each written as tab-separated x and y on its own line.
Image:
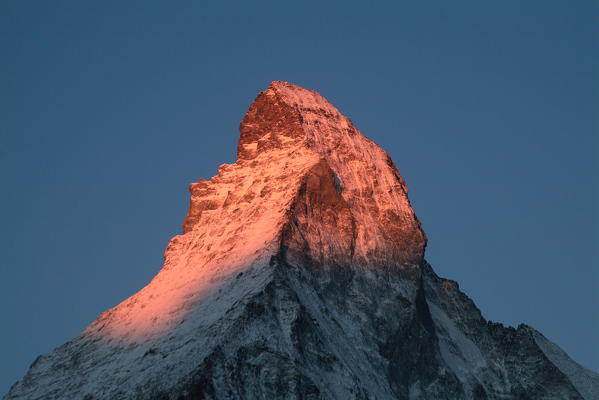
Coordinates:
300	274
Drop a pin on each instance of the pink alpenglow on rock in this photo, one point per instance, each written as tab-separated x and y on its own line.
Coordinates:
291	136
306	185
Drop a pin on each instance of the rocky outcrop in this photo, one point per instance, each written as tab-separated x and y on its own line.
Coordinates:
300	274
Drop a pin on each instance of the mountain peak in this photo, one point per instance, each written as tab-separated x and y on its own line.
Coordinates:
307	187
300	274
288	131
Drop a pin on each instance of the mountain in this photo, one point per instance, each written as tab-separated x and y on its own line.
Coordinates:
300	274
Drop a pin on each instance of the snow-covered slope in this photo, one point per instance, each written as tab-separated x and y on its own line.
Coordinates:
300	275
583	379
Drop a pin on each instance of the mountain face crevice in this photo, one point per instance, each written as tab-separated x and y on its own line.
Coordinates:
322	228
300	274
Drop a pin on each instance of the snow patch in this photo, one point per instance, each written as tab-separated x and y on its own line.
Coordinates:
583	379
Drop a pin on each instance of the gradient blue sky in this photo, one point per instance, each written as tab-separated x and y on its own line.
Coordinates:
110	109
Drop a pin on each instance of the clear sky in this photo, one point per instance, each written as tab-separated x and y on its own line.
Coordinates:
110	109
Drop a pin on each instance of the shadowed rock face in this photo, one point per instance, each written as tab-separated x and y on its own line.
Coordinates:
300	275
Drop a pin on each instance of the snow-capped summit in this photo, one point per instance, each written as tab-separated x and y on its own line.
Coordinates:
292	139
300	274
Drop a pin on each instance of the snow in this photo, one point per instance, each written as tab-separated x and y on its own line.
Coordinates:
583	379
461	354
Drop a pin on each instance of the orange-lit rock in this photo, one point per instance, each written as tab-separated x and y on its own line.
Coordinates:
285	132
307	185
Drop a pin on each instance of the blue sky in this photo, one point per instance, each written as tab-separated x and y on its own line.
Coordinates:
110	109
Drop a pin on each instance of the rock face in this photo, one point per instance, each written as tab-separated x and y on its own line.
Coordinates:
301	275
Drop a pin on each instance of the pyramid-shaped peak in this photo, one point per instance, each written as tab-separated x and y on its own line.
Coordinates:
307	187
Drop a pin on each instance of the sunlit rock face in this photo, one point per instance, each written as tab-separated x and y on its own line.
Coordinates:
290	139
300	275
